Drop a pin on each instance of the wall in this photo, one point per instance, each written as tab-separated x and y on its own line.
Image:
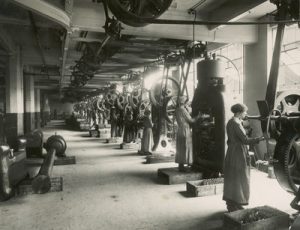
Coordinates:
257	59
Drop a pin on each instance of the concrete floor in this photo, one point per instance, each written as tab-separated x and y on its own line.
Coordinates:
110	188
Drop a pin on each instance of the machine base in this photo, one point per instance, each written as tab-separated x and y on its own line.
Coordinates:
112	140
25	187
173	176
158	158
68	160
129	146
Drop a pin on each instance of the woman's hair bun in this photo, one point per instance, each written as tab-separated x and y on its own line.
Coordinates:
239	108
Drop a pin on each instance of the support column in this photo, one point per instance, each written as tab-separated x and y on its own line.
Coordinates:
37	104
257	60
14	118
45	109
29	103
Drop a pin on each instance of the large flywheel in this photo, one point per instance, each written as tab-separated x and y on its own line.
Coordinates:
287	162
287	104
161	92
132	12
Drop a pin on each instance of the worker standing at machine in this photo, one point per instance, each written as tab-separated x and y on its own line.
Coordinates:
147	139
237	161
184	146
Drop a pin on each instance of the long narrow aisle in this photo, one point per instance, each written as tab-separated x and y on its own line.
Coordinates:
110	188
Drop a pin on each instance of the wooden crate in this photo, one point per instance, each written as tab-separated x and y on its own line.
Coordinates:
271	219
173	176
205	187
156	158
25	187
94	133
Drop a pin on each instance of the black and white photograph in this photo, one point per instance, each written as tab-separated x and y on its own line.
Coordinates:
150	114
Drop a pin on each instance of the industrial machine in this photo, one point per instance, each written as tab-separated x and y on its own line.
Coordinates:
14	168
209	132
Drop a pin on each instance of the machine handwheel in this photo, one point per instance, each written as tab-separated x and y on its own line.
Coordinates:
287	163
131	12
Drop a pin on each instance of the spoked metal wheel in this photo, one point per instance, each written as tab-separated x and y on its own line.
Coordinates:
287	163
286	103
132	12
160	93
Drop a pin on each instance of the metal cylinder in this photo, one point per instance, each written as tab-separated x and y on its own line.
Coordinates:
58	143
42	182
209	133
207	70
55	145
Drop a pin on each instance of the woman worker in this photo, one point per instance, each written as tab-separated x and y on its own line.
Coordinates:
237	161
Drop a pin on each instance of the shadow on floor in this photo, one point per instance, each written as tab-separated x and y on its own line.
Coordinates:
211	222
185	194
144	176
130	154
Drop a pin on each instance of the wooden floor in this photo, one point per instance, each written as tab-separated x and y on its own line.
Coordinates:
111	188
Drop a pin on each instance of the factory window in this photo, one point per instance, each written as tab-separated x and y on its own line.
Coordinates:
233	57
289	69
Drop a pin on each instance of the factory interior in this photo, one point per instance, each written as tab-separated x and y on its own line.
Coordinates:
149	114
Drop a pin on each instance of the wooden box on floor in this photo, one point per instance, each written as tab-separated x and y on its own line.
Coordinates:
259	218
94	133
173	176
205	187
157	158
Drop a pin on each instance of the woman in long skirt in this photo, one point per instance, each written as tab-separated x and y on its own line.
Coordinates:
237	161
147	140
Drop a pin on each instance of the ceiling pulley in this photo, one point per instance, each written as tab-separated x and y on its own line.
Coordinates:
133	12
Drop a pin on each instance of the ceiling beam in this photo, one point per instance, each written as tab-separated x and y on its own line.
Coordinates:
64	57
125	68
69	9
21	22
47	10
96	20
232	10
